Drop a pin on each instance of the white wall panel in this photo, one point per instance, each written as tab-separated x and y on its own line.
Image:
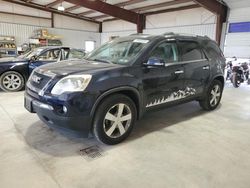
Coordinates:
179	18
240	14
202	29
24	20
238	44
71	23
118	25
71	38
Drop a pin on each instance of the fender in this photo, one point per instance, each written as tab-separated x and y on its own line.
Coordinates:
115	90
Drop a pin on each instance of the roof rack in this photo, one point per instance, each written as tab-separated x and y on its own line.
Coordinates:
183	34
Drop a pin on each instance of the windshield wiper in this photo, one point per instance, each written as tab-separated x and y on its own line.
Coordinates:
103	61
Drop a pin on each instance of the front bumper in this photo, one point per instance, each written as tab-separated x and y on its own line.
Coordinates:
51	117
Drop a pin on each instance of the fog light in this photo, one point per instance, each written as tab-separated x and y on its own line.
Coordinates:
65	109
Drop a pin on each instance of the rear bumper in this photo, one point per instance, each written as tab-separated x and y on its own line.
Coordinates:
50	117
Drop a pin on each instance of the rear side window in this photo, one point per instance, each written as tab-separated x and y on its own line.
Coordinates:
190	51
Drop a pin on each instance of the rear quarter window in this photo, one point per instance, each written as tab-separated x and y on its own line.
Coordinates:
213	50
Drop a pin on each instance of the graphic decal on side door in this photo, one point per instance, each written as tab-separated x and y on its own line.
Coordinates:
181	94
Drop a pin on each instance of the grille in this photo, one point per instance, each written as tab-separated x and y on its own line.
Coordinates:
37	82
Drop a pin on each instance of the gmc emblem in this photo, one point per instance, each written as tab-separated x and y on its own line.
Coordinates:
36	79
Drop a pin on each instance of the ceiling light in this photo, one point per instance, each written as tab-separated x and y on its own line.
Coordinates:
60	8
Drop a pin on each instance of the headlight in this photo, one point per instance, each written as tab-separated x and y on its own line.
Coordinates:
71	83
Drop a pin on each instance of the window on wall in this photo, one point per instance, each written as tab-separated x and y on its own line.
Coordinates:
89	45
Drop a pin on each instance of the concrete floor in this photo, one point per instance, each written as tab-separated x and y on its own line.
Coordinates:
177	147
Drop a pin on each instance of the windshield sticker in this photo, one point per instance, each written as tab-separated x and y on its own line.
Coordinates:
141	41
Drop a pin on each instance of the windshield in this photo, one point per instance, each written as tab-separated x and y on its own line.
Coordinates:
121	52
34	52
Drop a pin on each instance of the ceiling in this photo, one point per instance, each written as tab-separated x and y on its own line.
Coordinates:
138	6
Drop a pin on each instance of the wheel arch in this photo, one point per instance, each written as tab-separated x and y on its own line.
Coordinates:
221	79
23	75
130	92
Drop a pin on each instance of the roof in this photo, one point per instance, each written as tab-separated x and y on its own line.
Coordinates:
72	7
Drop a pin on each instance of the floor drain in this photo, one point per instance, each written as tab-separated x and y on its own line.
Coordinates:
91	152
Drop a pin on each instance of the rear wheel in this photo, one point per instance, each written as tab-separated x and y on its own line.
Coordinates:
11	81
114	119
213	96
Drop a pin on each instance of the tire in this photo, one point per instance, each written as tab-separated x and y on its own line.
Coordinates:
107	128
213	96
236	82
11	81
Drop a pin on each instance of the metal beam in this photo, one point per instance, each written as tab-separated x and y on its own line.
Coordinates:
72	8
213	6
52	20
149	7
54	3
126	3
109	9
40	7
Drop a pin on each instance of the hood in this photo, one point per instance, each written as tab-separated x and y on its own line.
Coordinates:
11	59
75	67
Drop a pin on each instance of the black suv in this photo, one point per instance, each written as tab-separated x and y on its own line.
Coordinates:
118	82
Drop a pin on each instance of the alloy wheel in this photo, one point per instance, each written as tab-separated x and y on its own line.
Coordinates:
215	95
117	120
12	82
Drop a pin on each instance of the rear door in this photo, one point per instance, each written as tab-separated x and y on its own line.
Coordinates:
196	66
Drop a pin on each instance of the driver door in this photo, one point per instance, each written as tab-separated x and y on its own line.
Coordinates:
163	84
48	56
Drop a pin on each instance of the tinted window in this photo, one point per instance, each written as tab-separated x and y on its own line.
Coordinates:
165	51
190	51
213	49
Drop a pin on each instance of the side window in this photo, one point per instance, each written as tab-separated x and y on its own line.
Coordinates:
49	55
75	54
166	51
190	51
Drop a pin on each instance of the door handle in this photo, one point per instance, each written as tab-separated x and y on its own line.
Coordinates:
179	72
205	68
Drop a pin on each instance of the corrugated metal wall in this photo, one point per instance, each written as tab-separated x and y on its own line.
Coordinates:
71	38
197	21
201	29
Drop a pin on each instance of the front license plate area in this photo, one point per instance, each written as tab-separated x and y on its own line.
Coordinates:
28	104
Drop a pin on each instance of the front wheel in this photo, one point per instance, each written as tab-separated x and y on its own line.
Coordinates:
236	81
114	119
11	81
213	96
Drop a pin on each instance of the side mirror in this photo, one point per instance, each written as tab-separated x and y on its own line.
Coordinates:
155	62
